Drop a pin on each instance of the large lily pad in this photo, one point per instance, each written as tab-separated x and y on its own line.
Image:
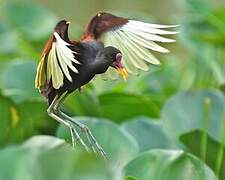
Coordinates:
18	80
148	133
118	144
36	160
188	110
43	142
168	164
212	152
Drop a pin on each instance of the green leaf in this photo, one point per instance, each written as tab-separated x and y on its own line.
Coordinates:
20	121
117	143
33	20
15	127
168	164
36	160
80	103
148	133
8	117
18	80
214	149
130	178
43	142
185	111
59	165
113	103
36	112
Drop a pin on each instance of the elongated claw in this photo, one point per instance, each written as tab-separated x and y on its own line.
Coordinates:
78	138
93	142
96	148
73	138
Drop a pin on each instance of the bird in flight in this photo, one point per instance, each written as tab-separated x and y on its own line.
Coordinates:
110	46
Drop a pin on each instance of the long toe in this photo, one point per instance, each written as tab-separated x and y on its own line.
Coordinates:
93	142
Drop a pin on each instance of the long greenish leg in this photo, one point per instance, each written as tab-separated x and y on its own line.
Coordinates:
93	142
52	114
88	133
52	111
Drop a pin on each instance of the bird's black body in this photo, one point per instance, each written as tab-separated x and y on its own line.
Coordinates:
66	65
94	59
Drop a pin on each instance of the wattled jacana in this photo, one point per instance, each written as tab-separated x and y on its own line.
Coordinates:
109	44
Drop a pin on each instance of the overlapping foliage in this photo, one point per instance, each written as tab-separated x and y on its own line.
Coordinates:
166	124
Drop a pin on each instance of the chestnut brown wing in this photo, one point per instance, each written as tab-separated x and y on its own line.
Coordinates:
100	23
56	61
135	39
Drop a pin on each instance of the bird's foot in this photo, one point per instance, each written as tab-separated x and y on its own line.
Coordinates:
76	138
55	113
74	143
96	148
93	142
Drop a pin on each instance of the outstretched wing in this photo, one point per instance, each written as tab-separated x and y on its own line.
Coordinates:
56	61
135	39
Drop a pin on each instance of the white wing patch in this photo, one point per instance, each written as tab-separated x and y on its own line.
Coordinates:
60	58
135	40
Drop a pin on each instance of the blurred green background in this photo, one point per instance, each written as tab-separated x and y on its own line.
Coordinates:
166	124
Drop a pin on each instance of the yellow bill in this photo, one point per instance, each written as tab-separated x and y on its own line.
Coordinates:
123	73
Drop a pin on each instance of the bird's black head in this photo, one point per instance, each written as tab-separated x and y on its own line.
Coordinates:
113	58
111	53
62	29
